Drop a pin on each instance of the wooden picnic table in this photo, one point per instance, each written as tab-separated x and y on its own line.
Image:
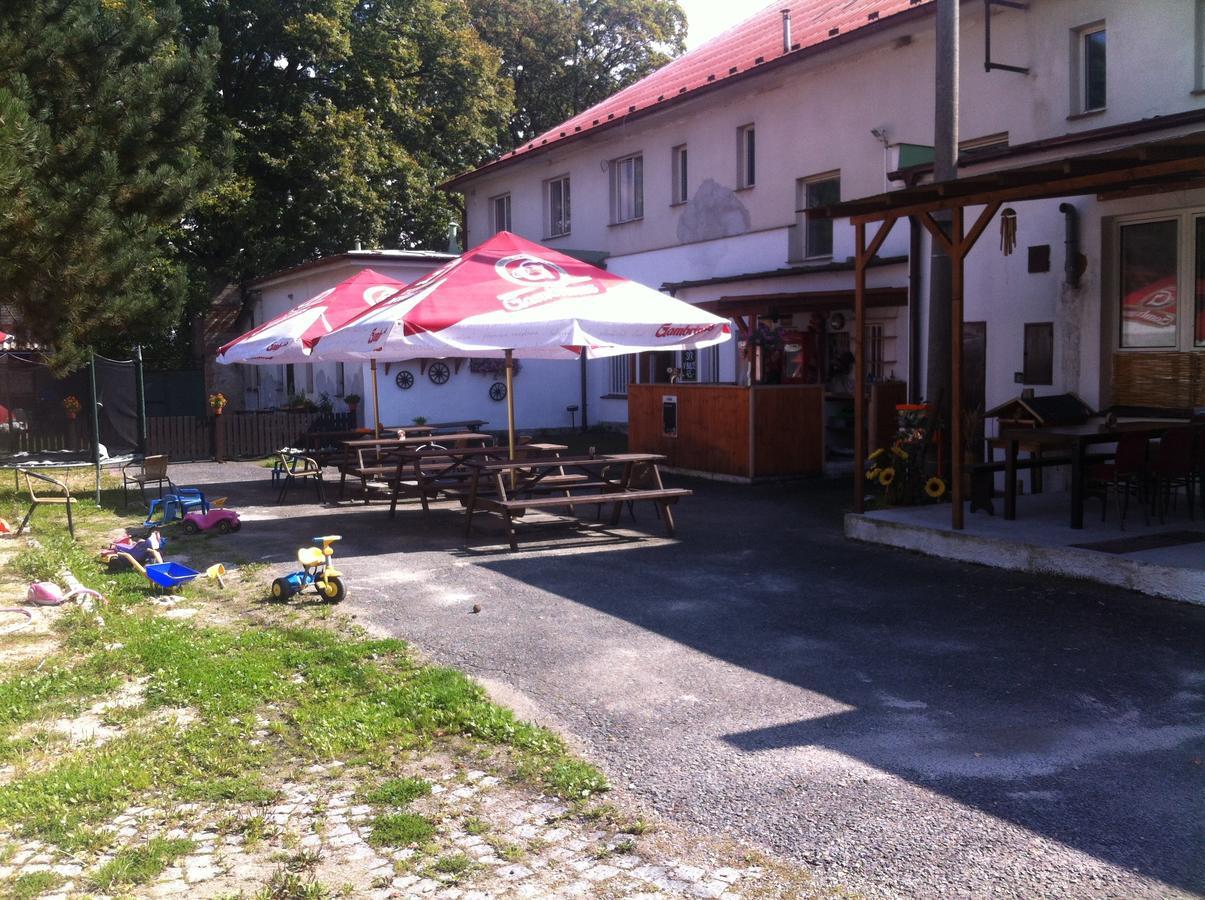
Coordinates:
506	487
1076	439
367	458
428	471
431	427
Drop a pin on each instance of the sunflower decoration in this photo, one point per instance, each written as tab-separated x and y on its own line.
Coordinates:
899	451
875	455
935	488
886	476
872	474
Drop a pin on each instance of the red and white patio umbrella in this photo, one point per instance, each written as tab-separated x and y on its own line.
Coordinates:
289	337
511	297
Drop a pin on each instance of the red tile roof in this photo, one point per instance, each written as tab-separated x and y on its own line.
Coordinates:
750	46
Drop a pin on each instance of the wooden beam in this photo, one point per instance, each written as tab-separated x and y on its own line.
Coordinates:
973	194
936	231
1150	188
977	229
877	241
957	264
860	259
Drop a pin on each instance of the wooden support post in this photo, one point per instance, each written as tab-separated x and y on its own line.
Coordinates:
958	260
860	260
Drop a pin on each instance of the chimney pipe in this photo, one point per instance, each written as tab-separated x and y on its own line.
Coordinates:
786	31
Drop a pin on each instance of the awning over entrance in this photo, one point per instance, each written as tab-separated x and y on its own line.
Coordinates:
802	301
1170	164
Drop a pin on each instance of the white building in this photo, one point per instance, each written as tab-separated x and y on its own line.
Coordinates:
409	389
695	180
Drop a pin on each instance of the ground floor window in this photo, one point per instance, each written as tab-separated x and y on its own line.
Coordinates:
1161	282
618	376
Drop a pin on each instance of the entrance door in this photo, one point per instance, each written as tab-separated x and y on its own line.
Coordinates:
974	385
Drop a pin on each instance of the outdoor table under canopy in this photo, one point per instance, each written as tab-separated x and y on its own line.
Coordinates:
1169	164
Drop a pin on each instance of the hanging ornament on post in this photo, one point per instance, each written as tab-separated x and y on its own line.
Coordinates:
1008	230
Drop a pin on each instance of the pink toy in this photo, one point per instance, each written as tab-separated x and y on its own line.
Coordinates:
223	521
45	593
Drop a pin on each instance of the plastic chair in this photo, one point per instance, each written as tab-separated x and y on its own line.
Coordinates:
149	470
1127	474
36	499
1172	469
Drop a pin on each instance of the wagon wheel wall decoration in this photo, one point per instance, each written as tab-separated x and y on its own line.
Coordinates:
439	373
498	391
405	379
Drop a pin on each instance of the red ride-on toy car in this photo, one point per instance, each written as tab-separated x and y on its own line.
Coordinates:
223	521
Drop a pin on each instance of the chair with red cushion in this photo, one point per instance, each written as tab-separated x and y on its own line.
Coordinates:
1127	474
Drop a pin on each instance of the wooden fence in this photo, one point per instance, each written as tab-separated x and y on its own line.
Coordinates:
245	434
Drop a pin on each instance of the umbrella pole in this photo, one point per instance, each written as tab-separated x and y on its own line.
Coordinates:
376	402
510	402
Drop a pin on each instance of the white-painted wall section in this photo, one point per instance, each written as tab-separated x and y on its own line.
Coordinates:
816	116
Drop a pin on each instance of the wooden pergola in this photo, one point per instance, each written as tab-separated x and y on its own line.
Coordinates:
1169	164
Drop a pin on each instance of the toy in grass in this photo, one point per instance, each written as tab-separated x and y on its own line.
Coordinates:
317	571
223	521
174	507
145	550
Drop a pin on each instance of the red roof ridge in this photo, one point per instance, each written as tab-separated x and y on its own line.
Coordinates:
741	49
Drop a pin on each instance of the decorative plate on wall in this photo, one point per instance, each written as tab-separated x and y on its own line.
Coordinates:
498	390
439	373
404	379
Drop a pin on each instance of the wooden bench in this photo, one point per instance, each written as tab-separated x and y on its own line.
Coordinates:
536	475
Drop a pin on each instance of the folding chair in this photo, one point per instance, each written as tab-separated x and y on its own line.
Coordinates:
36	500
149	470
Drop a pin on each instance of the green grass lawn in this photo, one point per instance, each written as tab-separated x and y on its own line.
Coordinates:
269	688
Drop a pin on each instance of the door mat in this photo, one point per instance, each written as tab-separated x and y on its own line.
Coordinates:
1141	542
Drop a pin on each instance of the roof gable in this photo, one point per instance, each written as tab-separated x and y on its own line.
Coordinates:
742	49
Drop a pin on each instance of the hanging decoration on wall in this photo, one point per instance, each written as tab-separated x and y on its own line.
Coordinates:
498	391
1008	231
405	379
439	373
492	367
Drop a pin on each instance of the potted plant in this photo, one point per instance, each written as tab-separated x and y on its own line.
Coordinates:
71	406
352	401
420	420
217	402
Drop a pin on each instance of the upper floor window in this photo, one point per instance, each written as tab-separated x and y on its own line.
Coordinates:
746	156
556	194
1199	83
627	188
818	190
1089	61
680	192
500	213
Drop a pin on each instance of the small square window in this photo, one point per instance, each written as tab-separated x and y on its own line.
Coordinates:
680	190
746	153
556	194
627	188
500	213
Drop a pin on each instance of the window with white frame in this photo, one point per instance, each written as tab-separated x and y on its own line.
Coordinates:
309	378
810	193
617	381
1089	82
746	156
627	188
500	212
680	192
711	363
556	196
1160	293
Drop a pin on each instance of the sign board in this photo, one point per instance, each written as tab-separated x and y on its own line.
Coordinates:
690	365
669	415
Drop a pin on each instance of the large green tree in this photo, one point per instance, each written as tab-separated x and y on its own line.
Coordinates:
101	121
566	55
345	116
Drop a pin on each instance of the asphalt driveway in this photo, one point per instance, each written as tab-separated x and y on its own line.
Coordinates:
901	725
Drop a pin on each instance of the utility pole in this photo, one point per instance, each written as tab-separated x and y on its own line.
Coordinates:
945	168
